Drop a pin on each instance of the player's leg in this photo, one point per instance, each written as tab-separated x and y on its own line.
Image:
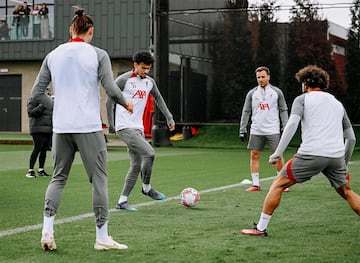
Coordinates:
298	169
42	156
133	172
43	147
34	155
131	137
255	167
350	196
130	181
271	202
92	148
128	135
272	199
337	172
256	145
138	146
147	153
273	141
63	156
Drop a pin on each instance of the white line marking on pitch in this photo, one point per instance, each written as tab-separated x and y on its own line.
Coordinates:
83	216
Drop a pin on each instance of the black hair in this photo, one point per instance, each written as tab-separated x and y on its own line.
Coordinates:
143	56
81	22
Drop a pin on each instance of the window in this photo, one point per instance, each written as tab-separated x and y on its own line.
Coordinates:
21	21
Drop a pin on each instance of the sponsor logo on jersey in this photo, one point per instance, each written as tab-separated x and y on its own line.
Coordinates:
264	106
141	94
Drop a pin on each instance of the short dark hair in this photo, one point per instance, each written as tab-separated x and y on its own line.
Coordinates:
143	56
263	68
313	77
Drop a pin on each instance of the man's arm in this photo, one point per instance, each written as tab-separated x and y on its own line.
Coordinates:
38	91
283	109
34	109
110	111
246	113
107	80
160	103
286	137
290	128
111	105
349	136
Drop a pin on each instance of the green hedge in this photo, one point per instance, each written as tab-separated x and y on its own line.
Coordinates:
227	136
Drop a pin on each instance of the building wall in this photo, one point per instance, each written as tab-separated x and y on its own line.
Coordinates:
121	28
29	71
337	36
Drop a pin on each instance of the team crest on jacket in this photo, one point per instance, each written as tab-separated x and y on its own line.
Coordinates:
133	85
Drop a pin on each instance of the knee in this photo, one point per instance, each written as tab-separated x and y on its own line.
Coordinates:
255	155
134	168
150	155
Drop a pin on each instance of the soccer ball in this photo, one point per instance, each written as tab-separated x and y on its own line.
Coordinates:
189	197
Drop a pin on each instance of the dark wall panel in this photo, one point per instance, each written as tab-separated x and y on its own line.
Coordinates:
121	27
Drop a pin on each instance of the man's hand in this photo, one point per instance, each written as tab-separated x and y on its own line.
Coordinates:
112	129
129	106
171	126
274	158
243	137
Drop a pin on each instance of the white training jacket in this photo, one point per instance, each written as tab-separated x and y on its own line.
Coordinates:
76	70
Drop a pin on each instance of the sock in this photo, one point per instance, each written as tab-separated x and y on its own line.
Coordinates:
122	199
41	169
30	170
102	233
255	179
48	225
263	222
146	187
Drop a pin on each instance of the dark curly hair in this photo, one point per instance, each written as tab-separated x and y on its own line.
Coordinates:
143	56
313	77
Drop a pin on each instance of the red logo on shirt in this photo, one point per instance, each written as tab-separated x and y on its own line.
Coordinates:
264	106
140	94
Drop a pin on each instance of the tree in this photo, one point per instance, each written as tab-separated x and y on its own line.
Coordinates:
233	63
352	66
268	48
304	11
308	44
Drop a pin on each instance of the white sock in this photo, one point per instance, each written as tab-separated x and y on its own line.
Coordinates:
102	233
48	225
263	221
255	179
146	187
122	199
